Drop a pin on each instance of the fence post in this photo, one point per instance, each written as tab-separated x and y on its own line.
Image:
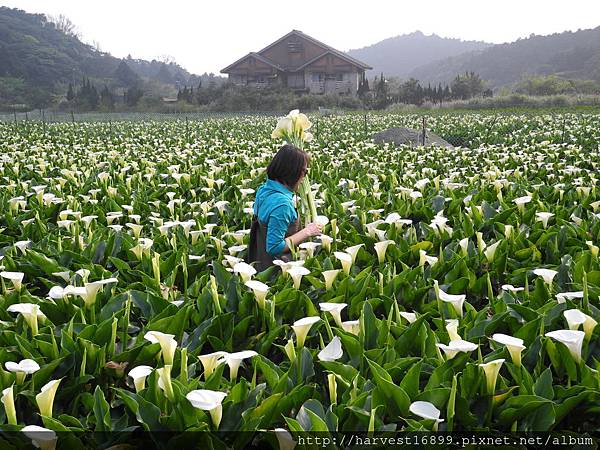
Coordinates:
365	125
15	114
72	117
317	128
424	131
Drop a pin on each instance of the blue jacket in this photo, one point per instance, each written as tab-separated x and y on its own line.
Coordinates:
274	207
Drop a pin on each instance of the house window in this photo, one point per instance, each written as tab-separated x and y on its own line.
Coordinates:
340	77
294	47
318	77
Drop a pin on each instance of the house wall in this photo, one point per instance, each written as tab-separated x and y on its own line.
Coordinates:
303	51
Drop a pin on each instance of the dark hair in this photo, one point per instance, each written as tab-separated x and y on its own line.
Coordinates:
288	165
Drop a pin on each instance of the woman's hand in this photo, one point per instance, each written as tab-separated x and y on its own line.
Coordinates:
312	229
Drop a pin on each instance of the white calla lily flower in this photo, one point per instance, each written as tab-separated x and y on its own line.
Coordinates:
335	309
514	346
8	400
30	312
297	272
458	346
345	259
381	248
246	271
302	327
333	351
426	410
260	291
168	344
22	369
547	275
211	361
208	400
234	360
45	399
139	374
491	370
572	339
41	437
351	326
15	277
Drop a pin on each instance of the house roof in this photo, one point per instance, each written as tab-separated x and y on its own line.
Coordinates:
258	57
326	47
320	44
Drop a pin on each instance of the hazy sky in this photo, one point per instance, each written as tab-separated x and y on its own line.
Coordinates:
206	36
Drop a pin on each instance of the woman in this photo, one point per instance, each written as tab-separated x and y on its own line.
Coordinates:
276	224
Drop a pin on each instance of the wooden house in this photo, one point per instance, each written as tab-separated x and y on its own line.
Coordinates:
301	63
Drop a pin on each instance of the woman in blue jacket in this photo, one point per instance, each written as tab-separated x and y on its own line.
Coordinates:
276	223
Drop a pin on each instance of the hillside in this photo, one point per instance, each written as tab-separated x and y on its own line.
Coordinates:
569	55
38	61
400	55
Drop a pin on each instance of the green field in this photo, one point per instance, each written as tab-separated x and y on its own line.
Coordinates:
433	260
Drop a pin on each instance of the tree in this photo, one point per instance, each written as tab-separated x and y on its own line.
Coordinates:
126	76
107	99
63	23
466	86
411	92
132	96
381	93
70	93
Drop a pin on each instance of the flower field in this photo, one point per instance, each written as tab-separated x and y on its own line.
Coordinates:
452	290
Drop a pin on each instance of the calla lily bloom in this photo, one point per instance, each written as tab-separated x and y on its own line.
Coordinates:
455	347
333	351
547	274
456	301
30	312
284	439
452	329
345	259
425	259
572	339
139	375
490	251
514	346
330	276
575	318
246	271
562	297
310	247
301	328
464	246
335	309
511	288
8	400
491	371
426	410
234	360
353	251
41	437
168	345
45	399
351	326
381	248
22	369
260	291
410	317
297	272
164	381
210	401
15	277
543	217
210	362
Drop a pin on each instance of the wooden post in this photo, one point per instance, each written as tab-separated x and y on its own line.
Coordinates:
317	128
424	131
365	126
15	113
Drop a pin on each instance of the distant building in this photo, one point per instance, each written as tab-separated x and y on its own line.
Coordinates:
301	63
